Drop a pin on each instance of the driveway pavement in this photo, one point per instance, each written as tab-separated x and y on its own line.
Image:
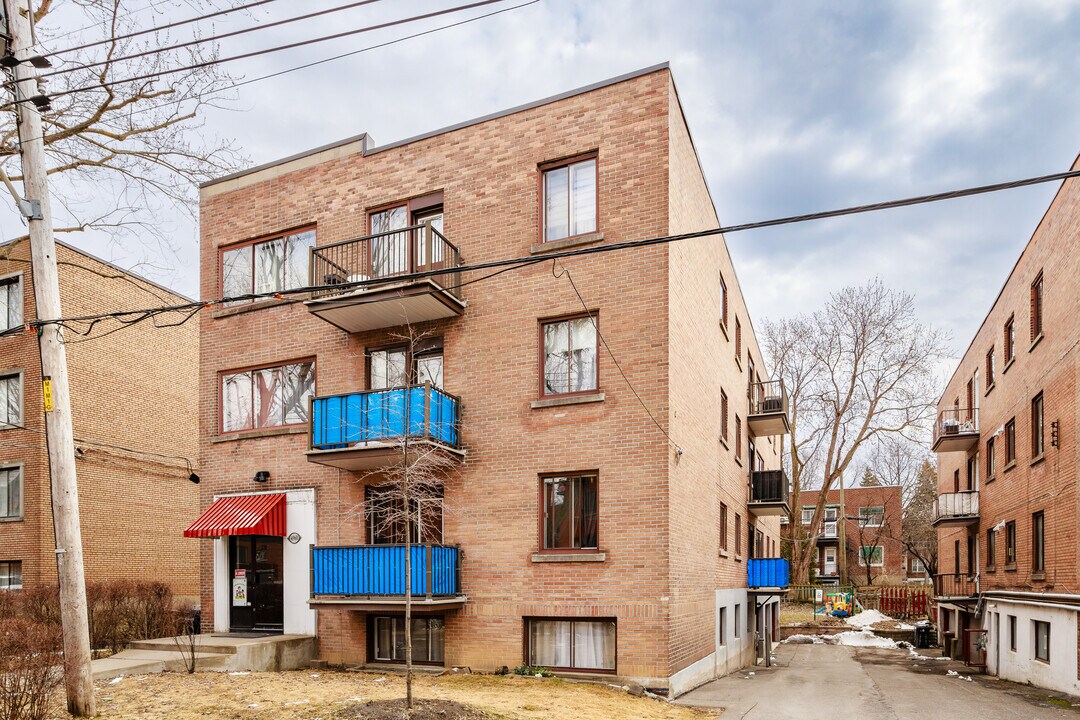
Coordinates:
834	682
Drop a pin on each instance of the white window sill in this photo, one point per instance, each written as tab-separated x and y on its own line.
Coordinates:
564	243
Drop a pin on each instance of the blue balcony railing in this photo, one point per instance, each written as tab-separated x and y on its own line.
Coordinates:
379	571
767	572
342	421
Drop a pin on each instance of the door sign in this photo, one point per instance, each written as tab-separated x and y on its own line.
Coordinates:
239	589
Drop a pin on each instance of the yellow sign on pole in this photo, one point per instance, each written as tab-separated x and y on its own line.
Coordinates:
46	392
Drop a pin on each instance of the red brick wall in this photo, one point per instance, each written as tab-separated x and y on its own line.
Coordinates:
1049	366
488	174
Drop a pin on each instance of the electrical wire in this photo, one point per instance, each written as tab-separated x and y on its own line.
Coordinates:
212	38
251	54
603	341
131	316
314	63
578	252
147	31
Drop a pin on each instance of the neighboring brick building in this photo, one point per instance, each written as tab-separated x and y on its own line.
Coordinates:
1008	509
573	523
135	427
872	527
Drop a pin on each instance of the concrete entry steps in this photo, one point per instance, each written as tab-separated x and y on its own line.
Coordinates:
220	653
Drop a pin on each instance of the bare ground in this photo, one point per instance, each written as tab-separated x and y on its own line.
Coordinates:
329	694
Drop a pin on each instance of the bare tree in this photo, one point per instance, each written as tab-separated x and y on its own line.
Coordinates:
119	154
860	368
410	492
898	461
872	530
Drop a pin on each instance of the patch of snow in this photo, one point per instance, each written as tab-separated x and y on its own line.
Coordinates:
958	676
240	672
253	705
803	640
315	675
863	638
116	680
867	618
298	702
381	679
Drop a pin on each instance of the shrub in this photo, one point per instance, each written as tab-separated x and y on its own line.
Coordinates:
30	659
533	671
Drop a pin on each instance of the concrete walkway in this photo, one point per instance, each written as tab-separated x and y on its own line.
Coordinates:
827	682
225	653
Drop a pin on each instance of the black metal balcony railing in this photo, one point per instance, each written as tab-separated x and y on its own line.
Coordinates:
957	506
955	585
768	397
769	486
384	256
956	429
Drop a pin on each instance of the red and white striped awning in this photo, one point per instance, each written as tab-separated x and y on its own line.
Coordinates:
241	515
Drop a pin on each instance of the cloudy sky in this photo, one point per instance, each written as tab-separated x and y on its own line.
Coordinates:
795	105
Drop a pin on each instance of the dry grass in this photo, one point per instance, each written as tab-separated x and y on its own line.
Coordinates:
308	695
791	613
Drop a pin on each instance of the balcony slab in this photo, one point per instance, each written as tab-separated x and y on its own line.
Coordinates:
389	305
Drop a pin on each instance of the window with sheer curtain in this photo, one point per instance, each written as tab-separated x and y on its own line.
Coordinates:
570	514
570	355
266	397
570	200
571	644
11	400
11	575
11	304
10	493
278	263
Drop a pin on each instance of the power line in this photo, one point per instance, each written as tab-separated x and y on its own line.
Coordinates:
147	31
509	263
212	38
603	341
149	6
251	54
314	63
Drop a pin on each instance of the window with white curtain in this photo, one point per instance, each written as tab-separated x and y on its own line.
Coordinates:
389	368
278	263
571	644
11	575
11	302
570	200
570	348
10	493
11	400
266	397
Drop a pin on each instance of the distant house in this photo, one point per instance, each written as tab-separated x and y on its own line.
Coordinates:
134	413
866	526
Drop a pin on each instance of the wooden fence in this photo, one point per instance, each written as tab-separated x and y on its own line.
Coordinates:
898	601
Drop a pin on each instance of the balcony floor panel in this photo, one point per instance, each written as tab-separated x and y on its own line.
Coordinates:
768	424
956	521
391	603
960	442
768	509
387	306
368	456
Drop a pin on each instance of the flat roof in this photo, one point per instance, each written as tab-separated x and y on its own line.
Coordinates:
363	138
115	267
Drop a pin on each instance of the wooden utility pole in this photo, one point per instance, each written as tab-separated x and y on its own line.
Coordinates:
843	534
65	493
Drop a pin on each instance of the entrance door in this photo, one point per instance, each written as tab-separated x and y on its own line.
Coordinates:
830	561
255	577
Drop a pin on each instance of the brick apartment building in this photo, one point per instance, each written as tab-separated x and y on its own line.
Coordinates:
868	521
1007	511
574	534
135	430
